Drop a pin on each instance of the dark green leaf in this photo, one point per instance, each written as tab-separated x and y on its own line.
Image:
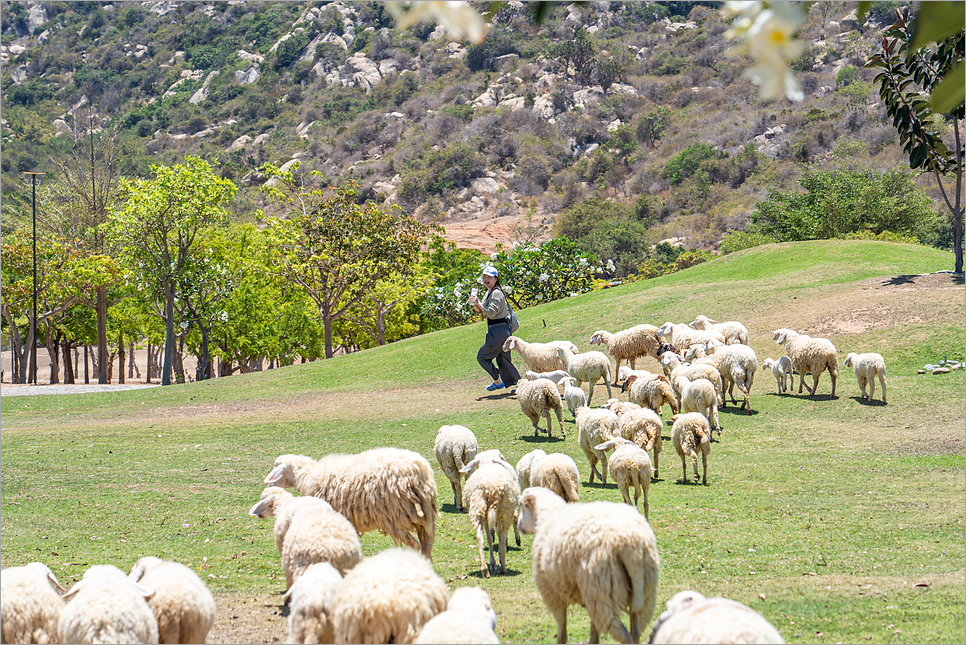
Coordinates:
950	93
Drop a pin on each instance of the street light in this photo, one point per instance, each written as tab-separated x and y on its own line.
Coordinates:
34	176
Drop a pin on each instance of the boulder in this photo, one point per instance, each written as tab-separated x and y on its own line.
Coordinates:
543	106
37	17
202	93
240	142
513	103
249	75
588	96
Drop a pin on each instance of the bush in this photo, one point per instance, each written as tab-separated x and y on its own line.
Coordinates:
289	49
688	161
734	241
533	274
846	76
580	220
499	42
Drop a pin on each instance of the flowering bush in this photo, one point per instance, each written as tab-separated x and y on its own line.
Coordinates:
532	274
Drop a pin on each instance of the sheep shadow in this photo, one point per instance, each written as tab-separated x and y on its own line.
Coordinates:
736	410
510	573
541	438
502	396
451	508
599	486
871	402
690	482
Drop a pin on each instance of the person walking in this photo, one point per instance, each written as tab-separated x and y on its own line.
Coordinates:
497	313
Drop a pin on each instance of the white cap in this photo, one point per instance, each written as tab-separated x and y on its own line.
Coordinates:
491	270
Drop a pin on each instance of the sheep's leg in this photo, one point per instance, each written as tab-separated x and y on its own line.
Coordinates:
871	381
560	615
834	378
546	413
646	507
481	534
516	529
694	462
559	413
882	382
684	466
625	488
603	468
457	497
618	632
590	396
617	370
594	633
503	541
593	467
655	463
610	395
815	378
704	464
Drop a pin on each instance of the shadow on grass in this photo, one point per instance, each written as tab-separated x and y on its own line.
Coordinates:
510	573
450	508
529	438
736	410
871	402
500	395
599	486
690	482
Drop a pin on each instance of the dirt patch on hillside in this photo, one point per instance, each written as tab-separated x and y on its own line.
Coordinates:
247	618
486	231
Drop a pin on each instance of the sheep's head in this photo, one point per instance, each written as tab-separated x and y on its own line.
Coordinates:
266	505
767	364
142	566
42	569
534	502
283	472
781	335
597	338
509	343
702	322
665	329
627	384
849	360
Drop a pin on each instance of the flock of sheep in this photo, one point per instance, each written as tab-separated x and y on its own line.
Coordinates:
599	555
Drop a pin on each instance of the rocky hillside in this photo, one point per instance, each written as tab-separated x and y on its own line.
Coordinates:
493	140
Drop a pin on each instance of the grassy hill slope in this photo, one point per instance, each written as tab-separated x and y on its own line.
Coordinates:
839	520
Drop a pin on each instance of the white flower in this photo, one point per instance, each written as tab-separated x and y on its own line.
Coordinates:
610	266
574	294
583	261
459	19
494	256
544	277
768	36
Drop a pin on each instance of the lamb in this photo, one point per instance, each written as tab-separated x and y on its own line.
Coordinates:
589	367
496	457
682	336
557	472
469	618
699	396
538	398
182	604
540	357
387	598
625	372
29	607
733	331
573	395
809	354
692	618
693	372
491	497
307	531
781	369
651	393
629	344
737	365
867	367
556	375
640	425
525	466
594	427
629	466
310	600
600	555
385	489
455	446
107	607
691	434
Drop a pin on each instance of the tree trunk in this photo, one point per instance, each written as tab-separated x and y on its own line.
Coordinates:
87	374
203	371
110	366
120	358
381	327
102	359
131	364
15	358
68	364
958	238
168	333
147	370
179	362
52	342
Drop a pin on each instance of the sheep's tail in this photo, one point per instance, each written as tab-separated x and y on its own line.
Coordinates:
568	487
832	364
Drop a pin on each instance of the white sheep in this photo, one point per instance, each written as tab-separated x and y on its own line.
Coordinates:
733	331
651	393
629	466
29	607
537	399
692	618
556	375
782	370
699	396
308	530
681	336
455	446
491	499
384	489
737	365
624	372
525	466
629	344
619	407
867	367
809	354
540	357
640	425
558	472
678	368
691	434
310	600
589	367
182	604
387	598
469	618
107	607
601	555
595	427
496	457
574	396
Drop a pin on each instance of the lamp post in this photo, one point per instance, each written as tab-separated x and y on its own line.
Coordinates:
33	321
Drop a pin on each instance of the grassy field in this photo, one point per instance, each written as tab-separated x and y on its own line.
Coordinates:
837	519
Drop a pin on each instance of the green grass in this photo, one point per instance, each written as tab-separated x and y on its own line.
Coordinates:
821	514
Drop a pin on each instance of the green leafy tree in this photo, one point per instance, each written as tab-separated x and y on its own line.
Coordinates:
558	268
687	162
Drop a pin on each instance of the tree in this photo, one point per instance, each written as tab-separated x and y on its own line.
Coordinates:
158	225
914	65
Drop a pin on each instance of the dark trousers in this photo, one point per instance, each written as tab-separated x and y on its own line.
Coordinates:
492	349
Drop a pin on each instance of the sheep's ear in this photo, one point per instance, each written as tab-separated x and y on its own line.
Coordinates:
73	590
511	342
470	466
607	445
276	474
287	597
53	578
661	377
137	572
675	417
144	591
262	506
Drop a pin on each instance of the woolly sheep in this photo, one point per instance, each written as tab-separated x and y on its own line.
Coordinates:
809	354
629	344
385	489
387	598
589	367
455	446
867	367
107	607
699	396
595	427
29	607
682	336
692	618
737	365
733	331
469	618
491	499
574	396
525	466
182	604
781	369
629	466
651	393
693	372
557	472
601	555
691	434
537	399
625	372
540	357
310	600
496	457
619	407
556	375
640	425
308	532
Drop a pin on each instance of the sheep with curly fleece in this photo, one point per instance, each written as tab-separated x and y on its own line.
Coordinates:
651	393
491	499
540	357
595	427
469	618
737	365
384	489
692	372
692	618
387	598
629	344
558	472
310	601
629	466
182	604
691	434
781	369
682	336
733	331
455	446
600	555
640	425
574	396
699	396
809	354
867	367
589	367
107	607
29	607
537	399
